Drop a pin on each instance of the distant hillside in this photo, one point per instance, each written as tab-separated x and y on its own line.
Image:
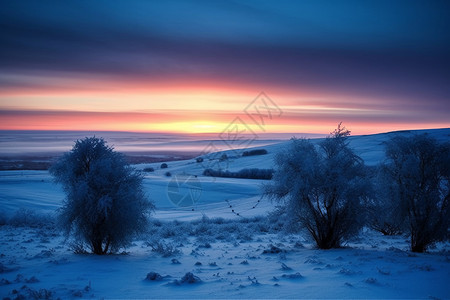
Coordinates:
368	147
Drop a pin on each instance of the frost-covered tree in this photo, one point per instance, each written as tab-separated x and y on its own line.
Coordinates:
323	187
105	205
385	213
418	172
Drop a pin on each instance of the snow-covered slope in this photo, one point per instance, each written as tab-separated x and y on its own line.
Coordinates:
201	195
368	147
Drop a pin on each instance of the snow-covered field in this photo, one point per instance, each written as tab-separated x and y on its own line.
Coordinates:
38	262
372	267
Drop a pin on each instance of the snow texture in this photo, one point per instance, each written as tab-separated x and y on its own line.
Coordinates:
234	256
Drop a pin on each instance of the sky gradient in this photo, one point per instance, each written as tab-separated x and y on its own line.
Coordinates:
194	66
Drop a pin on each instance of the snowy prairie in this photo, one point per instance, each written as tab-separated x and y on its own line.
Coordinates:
372	267
210	238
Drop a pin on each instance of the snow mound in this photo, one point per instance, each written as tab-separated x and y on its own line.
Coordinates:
153	276
292	276
188	278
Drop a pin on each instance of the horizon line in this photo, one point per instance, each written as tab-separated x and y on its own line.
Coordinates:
206	133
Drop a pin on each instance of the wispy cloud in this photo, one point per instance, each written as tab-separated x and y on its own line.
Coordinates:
388	57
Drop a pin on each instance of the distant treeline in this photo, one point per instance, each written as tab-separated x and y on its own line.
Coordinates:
255	152
244	173
11	164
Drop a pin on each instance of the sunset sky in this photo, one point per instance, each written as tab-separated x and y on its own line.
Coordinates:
196	66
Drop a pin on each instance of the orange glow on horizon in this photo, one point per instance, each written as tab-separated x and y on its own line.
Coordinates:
185	106
177	123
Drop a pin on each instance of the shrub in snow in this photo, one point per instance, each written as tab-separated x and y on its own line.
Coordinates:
153	276
273	250
80	293
149	169
418	172
165	249
199	159
105	205
164	166
28	293
323	187
168	174
190	278
168	231
20	278
253	280
207	231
